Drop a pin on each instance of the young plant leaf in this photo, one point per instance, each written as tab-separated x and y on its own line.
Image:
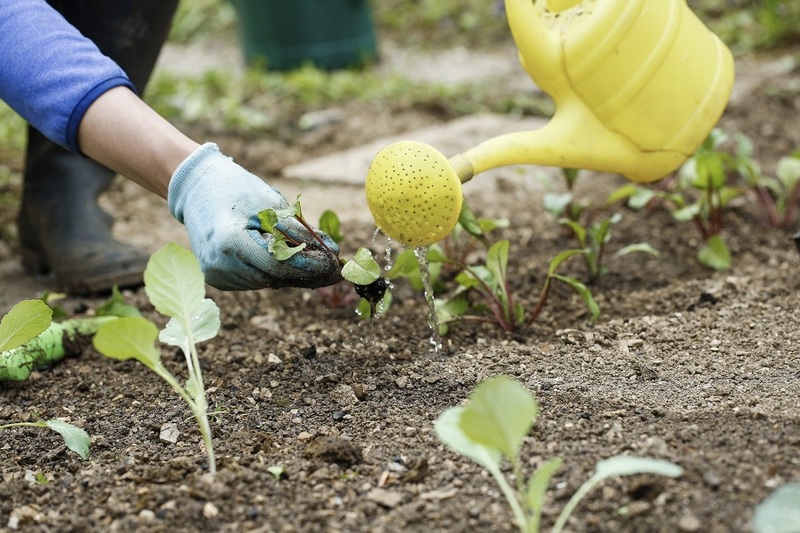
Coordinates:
204	325
448	429
268	219
74	437
174	282
362	269
116	306
23	323
497	260
537	486
329	223
584	292
129	338
638	247
499	415
619	465
779	512
715	254
281	249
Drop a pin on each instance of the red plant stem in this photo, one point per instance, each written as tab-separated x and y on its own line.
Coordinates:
542	300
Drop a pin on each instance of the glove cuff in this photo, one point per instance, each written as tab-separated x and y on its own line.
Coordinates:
191	171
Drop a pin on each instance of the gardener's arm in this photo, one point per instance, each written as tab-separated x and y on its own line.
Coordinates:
67	89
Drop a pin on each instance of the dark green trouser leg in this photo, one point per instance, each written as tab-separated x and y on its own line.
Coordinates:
61	227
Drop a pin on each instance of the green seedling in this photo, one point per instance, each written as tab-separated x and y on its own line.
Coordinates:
701	194
579	287
29	339
493	425
779	512
593	240
74	437
175	286
777	195
363	271
565	204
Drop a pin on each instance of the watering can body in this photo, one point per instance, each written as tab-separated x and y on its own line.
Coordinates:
638	85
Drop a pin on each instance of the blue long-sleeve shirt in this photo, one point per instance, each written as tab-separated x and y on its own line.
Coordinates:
49	73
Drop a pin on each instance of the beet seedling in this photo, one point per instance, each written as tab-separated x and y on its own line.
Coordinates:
175	286
493	425
593	240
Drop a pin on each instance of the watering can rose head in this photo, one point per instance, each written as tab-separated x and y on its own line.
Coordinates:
414	193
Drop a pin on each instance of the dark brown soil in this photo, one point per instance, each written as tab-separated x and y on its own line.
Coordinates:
685	364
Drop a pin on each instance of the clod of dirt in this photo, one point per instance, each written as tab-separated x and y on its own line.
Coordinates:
329	450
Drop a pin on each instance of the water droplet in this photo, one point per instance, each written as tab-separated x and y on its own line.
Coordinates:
424	268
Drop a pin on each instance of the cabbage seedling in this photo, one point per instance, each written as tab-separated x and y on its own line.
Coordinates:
74	437
175	286
29	339
493	425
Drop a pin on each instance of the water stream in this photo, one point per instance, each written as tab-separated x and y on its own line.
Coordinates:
424	268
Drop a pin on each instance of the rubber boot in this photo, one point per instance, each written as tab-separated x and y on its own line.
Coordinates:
61	227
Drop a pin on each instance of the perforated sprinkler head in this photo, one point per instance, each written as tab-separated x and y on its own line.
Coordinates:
414	193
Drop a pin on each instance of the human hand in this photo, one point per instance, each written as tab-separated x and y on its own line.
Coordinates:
218	201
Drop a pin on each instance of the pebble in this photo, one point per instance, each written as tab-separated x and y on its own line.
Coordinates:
386	498
689	522
344	395
169	432
210	510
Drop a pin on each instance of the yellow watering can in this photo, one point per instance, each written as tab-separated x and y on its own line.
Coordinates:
637	84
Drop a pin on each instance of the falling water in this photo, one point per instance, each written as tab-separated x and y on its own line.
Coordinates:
424	268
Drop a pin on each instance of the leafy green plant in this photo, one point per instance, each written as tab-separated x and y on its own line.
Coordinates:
777	195
74	437
30	339
493	425
593	240
701	194
175	286
566	204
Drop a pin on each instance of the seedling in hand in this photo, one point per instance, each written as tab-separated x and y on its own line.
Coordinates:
493	425
175	286
363	271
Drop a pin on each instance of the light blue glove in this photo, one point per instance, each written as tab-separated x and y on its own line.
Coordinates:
218	201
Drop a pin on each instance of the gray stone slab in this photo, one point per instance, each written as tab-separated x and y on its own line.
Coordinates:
350	166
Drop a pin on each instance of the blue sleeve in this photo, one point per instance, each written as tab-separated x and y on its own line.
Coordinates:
49	73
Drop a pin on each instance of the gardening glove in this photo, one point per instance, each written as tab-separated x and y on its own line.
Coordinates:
218	201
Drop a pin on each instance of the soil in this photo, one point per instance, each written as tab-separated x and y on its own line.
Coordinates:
686	364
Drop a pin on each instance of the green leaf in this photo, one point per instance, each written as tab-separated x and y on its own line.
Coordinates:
584	292
577	229
23	323
204	325
490	224
74	437
174	282
497	260
556	203
641	198
715	254
468	221
687	213
779	512
560	258
634	248
622	193
448	428
788	172
329	223
362	269
269	219
626	465
281	249
499	415
116	306
129	338
537	485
